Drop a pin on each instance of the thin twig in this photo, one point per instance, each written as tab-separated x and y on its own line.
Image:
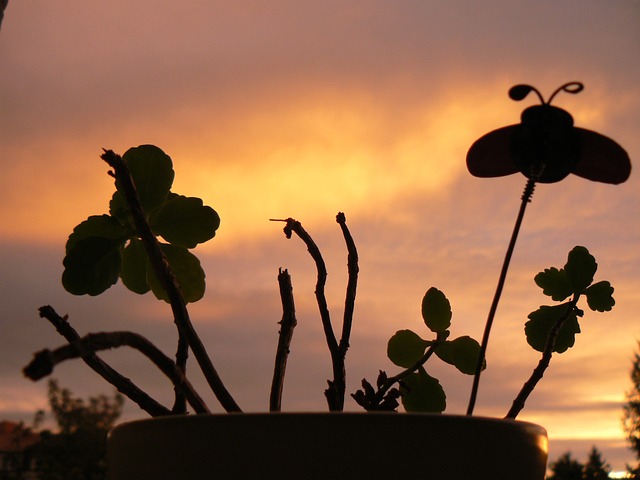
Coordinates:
123	384
352	283
543	364
45	360
526	198
287	324
293	226
168	281
296	227
335	393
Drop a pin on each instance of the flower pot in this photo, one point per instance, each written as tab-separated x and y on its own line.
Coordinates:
328	446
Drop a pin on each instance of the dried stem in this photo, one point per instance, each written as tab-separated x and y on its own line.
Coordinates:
182	354
335	393
543	364
123	384
44	361
526	198
287	324
352	283
168	281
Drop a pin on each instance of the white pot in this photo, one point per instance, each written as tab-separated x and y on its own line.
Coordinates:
327	446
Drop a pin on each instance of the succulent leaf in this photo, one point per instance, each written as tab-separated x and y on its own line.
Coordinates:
405	348
600	297
422	393
436	310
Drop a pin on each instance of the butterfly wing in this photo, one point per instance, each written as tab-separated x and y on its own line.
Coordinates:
489	156
601	159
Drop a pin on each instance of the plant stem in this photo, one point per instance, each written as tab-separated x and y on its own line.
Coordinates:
122	383
182	354
287	324
352	283
538	372
45	360
335	393
337	389
526	198
168	281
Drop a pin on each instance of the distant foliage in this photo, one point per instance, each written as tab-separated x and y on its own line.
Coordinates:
77	451
631	412
596	467
568	468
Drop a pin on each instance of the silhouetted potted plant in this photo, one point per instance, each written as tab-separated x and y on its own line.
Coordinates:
124	245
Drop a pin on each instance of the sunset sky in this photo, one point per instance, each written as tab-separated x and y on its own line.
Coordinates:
301	109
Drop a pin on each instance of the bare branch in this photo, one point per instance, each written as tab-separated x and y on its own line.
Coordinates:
296	227
352	283
287	324
44	361
123	384
335	392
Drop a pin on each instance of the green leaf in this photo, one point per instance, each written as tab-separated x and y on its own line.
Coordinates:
134	267
405	348
152	173
185	221
462	353
554	283
580	268
600	297
436	310
542	320
92	265
422	393
118	209
186	267
103	226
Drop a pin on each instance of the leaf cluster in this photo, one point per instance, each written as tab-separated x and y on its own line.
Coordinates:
104	248
419	390
572	281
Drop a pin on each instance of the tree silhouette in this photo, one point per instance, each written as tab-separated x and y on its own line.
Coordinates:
77	451
566	468
596	467
631	413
